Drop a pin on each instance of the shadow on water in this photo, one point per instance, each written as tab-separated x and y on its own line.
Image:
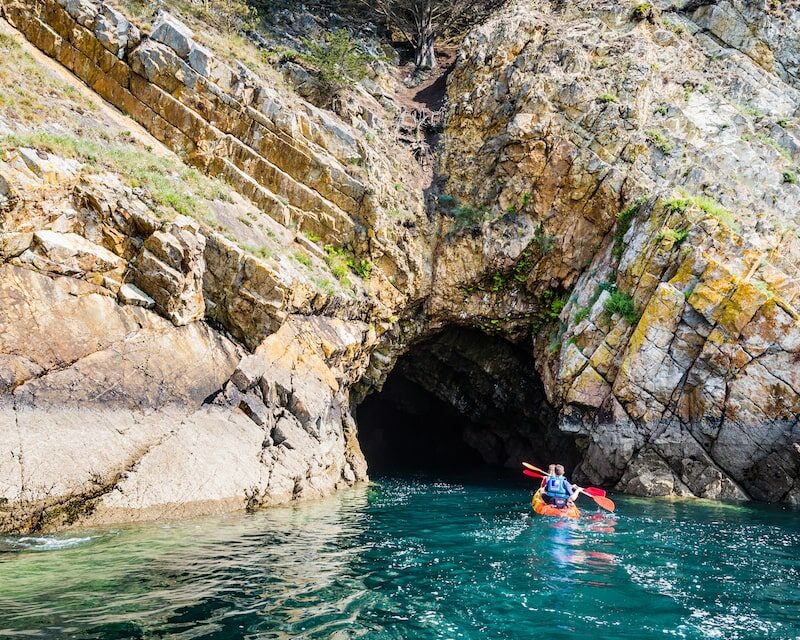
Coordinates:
416	557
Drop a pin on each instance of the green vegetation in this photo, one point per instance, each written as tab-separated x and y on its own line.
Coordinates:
32	94
303	258
324	285
257	251
341	262
707	205
642	11
622	304
582	314
713	208
782	122
675	28
465	216
789	177
676	236
749	110
677	205
544	240
771	142
468	217
225	15
552	304
337	59
660	141
607	97
662	109
624	219
168	183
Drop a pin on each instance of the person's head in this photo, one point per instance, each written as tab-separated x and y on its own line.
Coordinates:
559	470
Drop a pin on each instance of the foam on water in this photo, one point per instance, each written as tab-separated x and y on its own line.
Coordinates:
41	543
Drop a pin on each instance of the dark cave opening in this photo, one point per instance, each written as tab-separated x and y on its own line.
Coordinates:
461	401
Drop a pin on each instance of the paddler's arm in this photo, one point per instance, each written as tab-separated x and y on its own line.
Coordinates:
573	489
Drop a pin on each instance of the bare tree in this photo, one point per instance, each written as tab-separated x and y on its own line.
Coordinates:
421	22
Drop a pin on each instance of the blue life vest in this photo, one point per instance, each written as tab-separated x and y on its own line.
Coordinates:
555	487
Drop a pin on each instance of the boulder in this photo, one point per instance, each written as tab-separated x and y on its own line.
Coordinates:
173	33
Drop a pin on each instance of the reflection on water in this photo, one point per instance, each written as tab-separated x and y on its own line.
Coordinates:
415	558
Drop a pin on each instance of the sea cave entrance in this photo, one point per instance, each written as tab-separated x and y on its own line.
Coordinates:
461	400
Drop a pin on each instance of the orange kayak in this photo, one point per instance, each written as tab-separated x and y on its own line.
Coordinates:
544	509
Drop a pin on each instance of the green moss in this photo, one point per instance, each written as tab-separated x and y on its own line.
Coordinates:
607	97
676	236
789	177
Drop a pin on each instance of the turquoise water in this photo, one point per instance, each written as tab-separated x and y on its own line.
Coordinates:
416	558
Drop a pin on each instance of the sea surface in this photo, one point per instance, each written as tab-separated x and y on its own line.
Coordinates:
417	557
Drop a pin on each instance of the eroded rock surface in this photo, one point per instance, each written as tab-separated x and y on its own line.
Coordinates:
668	339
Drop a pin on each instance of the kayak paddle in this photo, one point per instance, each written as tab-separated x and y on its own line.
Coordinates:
590	491
602	501
532	468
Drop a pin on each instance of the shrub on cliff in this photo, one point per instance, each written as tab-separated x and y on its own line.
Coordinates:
337	59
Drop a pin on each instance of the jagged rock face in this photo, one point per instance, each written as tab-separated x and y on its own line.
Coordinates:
151	370
565	113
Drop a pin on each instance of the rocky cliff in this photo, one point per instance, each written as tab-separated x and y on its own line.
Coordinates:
203	274
637	166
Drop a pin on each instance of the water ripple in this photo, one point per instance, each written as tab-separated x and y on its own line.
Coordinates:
415	559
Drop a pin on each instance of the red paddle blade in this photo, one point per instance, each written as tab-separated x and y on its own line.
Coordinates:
606	503
532	474
594	491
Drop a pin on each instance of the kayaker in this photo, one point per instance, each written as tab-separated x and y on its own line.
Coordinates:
557	489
